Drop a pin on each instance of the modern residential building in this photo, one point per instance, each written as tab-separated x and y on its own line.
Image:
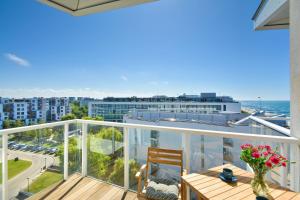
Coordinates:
113	109
34	110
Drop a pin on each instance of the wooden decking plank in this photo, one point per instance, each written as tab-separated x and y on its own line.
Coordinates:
118	195
62	189
80	189
92	190
130	196
297	197
99	193
111	193
287	195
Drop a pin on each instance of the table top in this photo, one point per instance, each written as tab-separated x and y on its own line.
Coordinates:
208	185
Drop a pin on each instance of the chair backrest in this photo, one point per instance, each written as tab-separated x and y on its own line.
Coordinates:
164	156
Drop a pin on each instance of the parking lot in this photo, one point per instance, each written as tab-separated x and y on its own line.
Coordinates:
12	145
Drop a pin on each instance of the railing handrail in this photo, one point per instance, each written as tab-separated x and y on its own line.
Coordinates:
270	125
35	127
245	136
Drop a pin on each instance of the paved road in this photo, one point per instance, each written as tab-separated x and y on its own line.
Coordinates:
20	181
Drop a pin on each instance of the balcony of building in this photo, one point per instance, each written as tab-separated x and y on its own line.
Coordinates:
87	159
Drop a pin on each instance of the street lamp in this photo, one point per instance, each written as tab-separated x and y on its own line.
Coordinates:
45	163
28	179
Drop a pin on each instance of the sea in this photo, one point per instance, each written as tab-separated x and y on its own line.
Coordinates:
273	107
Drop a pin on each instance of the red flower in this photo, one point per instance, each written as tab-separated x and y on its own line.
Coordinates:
283	164
275	160
255	154
254	149
268	148
266	153
268	164
260	146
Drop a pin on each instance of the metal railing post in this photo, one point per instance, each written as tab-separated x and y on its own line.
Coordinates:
66	150
126	158
4	167
295	175
187	153
283	170
84	149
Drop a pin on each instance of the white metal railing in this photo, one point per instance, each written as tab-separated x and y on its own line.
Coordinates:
283	140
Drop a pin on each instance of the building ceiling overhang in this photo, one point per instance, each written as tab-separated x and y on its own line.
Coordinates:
85	7
272	14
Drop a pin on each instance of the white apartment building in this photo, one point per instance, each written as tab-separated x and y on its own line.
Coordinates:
114	111
33	110
20	110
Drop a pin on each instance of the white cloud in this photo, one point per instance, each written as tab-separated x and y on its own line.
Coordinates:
16	59
124	78
66	92
158	83
153	83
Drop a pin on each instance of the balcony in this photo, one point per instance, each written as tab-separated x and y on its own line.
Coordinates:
87	159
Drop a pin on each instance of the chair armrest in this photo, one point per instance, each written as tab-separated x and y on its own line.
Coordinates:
139	176
184	172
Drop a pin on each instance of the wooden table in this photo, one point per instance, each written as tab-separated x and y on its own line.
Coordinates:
208	185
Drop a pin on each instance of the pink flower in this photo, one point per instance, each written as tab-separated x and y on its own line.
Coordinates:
275	160
255	155
246	146
268	164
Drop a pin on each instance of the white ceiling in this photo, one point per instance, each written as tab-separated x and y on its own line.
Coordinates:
85	7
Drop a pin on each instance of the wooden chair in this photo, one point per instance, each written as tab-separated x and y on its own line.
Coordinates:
159	156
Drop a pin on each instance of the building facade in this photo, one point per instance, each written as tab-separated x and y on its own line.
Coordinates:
34	110
113	109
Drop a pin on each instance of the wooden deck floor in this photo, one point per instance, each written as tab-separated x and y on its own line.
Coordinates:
78	188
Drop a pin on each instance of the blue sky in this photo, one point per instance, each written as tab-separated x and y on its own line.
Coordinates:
167	47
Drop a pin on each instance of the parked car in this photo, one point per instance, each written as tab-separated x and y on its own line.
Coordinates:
46	150
20	146
10	143
53	150
15	146
38	148
29	148
24	147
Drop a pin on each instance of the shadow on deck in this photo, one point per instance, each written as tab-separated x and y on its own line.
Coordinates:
83	188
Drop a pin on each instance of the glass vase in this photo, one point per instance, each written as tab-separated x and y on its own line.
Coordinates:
259	185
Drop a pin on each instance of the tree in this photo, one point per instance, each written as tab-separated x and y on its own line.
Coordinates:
97	118
19	123
6	124
79	111
110	134
117	176
68	117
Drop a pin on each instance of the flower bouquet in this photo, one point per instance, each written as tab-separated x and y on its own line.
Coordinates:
261	159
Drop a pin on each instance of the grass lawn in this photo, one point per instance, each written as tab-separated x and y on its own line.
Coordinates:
15	167
45	180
